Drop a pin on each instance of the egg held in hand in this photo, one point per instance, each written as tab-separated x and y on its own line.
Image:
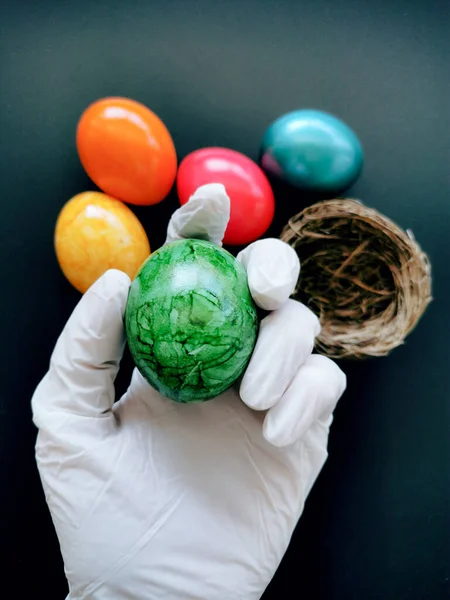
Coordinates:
191	322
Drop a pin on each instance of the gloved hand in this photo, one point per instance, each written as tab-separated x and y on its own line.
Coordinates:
157	500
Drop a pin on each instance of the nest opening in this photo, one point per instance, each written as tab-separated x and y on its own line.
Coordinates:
367	280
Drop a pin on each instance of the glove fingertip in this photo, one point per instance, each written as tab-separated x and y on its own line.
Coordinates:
112	288
273	435
273	268
270	297
113	279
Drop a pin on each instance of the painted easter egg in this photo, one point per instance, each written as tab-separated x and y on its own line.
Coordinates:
94	233
191	322
312	150
252	203
127	150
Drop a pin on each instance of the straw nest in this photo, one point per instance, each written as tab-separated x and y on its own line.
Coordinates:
368	281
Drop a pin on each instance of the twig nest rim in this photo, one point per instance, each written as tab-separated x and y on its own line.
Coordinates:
345	238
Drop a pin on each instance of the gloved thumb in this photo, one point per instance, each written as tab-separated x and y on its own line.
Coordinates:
85	361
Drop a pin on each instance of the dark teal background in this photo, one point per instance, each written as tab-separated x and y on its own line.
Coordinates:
376	525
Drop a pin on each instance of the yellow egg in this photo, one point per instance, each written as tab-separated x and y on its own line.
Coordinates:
94	233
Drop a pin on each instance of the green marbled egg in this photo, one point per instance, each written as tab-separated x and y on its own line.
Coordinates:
191	322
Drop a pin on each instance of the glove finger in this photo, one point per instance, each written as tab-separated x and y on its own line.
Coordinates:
86	358
285	341
312	396
272	269
205	216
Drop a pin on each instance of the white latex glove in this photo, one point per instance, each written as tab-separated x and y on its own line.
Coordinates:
157	500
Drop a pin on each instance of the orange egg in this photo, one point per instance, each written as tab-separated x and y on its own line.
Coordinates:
127	150
94	233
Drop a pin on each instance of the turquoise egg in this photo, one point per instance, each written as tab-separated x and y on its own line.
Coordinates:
313	151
